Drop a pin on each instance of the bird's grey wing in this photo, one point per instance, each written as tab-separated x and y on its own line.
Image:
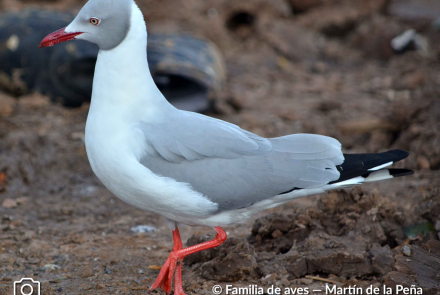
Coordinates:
187	136
233	167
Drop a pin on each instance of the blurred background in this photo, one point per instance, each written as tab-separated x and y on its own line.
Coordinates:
363	71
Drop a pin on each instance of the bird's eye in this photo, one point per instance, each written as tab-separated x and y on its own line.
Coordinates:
94	21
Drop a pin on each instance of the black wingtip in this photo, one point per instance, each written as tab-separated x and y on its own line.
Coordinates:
400	154
360	164
400	172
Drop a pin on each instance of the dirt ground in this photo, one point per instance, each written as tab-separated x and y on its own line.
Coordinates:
315	66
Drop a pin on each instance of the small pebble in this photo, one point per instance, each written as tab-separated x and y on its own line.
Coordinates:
277	233
142	229
437	225
100	286
51	266
86	272
108	271
9	203
423	163
406	251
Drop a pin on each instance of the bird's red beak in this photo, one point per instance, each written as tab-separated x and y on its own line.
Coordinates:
58	37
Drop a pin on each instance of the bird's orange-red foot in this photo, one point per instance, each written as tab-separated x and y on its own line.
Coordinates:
174	261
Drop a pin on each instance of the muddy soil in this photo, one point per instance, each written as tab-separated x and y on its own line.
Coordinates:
293	66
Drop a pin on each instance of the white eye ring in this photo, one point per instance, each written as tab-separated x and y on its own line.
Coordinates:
94	21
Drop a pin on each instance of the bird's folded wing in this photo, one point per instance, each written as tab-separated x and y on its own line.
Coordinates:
233	167
191	136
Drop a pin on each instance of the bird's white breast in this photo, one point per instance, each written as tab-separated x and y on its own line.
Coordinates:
124	97
114	148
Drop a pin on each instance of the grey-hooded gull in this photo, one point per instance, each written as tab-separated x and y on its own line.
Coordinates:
189	168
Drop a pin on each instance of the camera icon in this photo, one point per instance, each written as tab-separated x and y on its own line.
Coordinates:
27	286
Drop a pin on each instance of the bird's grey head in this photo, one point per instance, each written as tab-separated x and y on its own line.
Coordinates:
103	22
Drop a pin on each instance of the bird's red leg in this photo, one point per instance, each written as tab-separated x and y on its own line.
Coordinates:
220	237
180	254
178	285
173	262
166	273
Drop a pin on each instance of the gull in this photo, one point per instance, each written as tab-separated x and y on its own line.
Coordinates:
189	168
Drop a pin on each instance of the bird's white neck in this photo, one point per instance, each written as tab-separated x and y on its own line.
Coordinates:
122	77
